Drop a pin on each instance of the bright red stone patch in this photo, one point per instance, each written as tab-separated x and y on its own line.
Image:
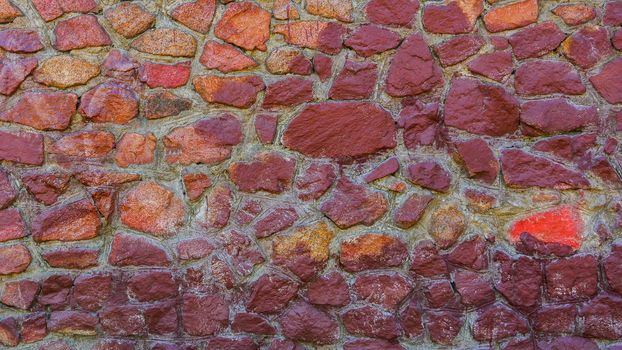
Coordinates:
561	225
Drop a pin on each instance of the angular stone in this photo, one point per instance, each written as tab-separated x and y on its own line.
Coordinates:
109	103
9	332
556	115
71	258
471	253
152	208
196	15
427	261
56	290
352	204
265	127
84	145
14	259
74	221
571	279
224	57
244	252
495	65
252	323
521	170
574	14
555	319
288	92
429	174
118	64
323	66
606	83
43	110
168	76
421	124
587	46
613	268
392	12
128	250
315	181
440	294
543	77
355	81
271	293
92	291
372	251
458	49
304	322
161	318
166	42
387	290
386	168
277	220
284	9
95	177
444	326
474	289
72	323
269	172
323	36
447	225
305	252
573	148
11	225
479	108
338	9
135	149
613	13
129	19
330	289
21	147
411	211
20	40
152	286
8	12
122	320
237	91
46	187
537	40
196	144
601	317
196	184
246	25
192	249
52	9
413	70
497	322
326	130
512	16
478	159
372	322
7	191
14	72
163	104
34	327
284	60
368	40
520	280
451	17
19	294
80	32
218	207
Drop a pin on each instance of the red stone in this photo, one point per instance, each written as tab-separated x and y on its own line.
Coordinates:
613	13
237	91
8	12
46	187
288	92
478	159
458	49
122	320
246	25
74	221
166	76
11	225
512	16
471	253
163	104
304	322
392	12
73	322
129	19
265	127
222	343
72	258
277	220
271	293
372	322
315	181
128	250
561	225
161	318
52	9
323	66
355	81
218	207
55	291
269	172
20	40
440	294
84	145
34	327
571	279
135	149
152	286
206	141
429	174
569	343
521	169
421	124
244	252
372	251
21	147
14	72
479	108
601	317
474	289
9	332
43	110
351	204
427	261
496	65
284	60
555	319
329	289
224	57
413	70
252	323
451	17
520	280
80	32
19	294
166	42
537	40
196	184
324	36
371	344
444	326
497	322
543	116
573	148
340	130
98	177
612	266
91	291
411	211
368	40
587	46
109	103
387	290
196	15
606	83
542	77
574	14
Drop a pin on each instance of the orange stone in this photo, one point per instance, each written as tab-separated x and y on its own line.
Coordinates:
562	225
129	19
516	15
85	144
338	9
284	9
8	12
574	14
246	25
224	57
237	91
166	42
136	149
325	36
65	71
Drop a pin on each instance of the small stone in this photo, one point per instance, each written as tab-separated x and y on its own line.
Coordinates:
352	204
372	251
152	286
71	258
387	290
587	46
193	249
330	289
304	322
555	319
9	332
128	250
80	32
604	82
421	124
512	16
237	91
91	291
520	280
601	316
129	19
315	181
34	327
52	9
471	253
218	207
7	191
305	252
325	130
119	65
324	36
224	57
46	187
14	72
55	290
355	81
323	66
284	9
497	322
338	9
252	323
446	226
269	172
14	259
74	221
411	211
542	77
458	49
536	40
478	159
542	116
168	76
288	92
20	40
104	199
613	13
368	40
104	178
196	184
8	12
84	144
21	147
496	65
479	108
152	208
284	60
109	103
521	170
11	225
372	322
451	17
444	326
392	12
427	261
166	42
19	294
72	323
271	293
162	104
265	127
244	253
572	279
474	289
122	320
413	70
135	149
429	174
188	144
574	14
43	110
246	25
277	220
196	15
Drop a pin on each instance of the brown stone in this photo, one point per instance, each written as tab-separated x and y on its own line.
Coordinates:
372	251
14	259
129	19
512	16
166	42
284	9
196	15
246	25
305	252
237	91
224	57
338	9
74	221
446	226
163	104
80	32
43	110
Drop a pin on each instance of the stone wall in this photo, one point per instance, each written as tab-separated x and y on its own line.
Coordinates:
310	174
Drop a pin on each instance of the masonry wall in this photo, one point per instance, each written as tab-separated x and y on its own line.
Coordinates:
310	174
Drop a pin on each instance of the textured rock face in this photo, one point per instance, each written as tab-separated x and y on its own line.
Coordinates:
330	174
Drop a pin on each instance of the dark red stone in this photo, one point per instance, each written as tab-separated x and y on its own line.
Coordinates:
440	294
392	12
587	46
288	92
443	326
387	290
11	225
371	344
204	315
458	49
21	147
556	115
161	318
520	280
475	289
91	291
567	343
315	181
371	322
496	322
122	320
554	319
543	77
55	291
46	187
163	104
252	323
573	148
329	289
14	72
128	250
451	17
355	81
495	65
323	66
421	124
7	192
271	293
606	82
304	322
265	127
244	252
536	40
351	204
19	294
73	322
612	266
9	331
372	251
152	286
429	174
613	13
269	172
34	327
478	159
411	211
471	253
426	260
572	278
602	317
368	40
20	40
222	343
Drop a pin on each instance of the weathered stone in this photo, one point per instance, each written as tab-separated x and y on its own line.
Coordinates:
65	71
555	319
196	15
574	14
73	322
269	172
495	65
479	108
372	251
537	40
46	187
246	25
21	147
71	258
224	57
352	204
371	344
34	327
238	91
613	268
109	103
323	66
471	253
587	46
91	291
387	290
14	72
444	326
8	12
168	76
163	104
330	289
411	211
326	130
429	174
372	322
20	40
355	81
304	322
152	286
601	316
19	294
324	36
244	253
52	9
288	92
421	124
605	82
392	12
95	177
452	17
474	289
542	77
573	148
129	19
84	145
427	261
166	42
14	259
284	9
284	60
271	293
265	127
440	294
122	320
196	184
478	159
135	149
252	323
520	280
572	278
497	322
556	115
197	144
9	332
56	290
613	13
218	207
368	40
11	225
80	32
458	49
447	225
512	16
523	170
338	9
128	250
43	110
74	221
